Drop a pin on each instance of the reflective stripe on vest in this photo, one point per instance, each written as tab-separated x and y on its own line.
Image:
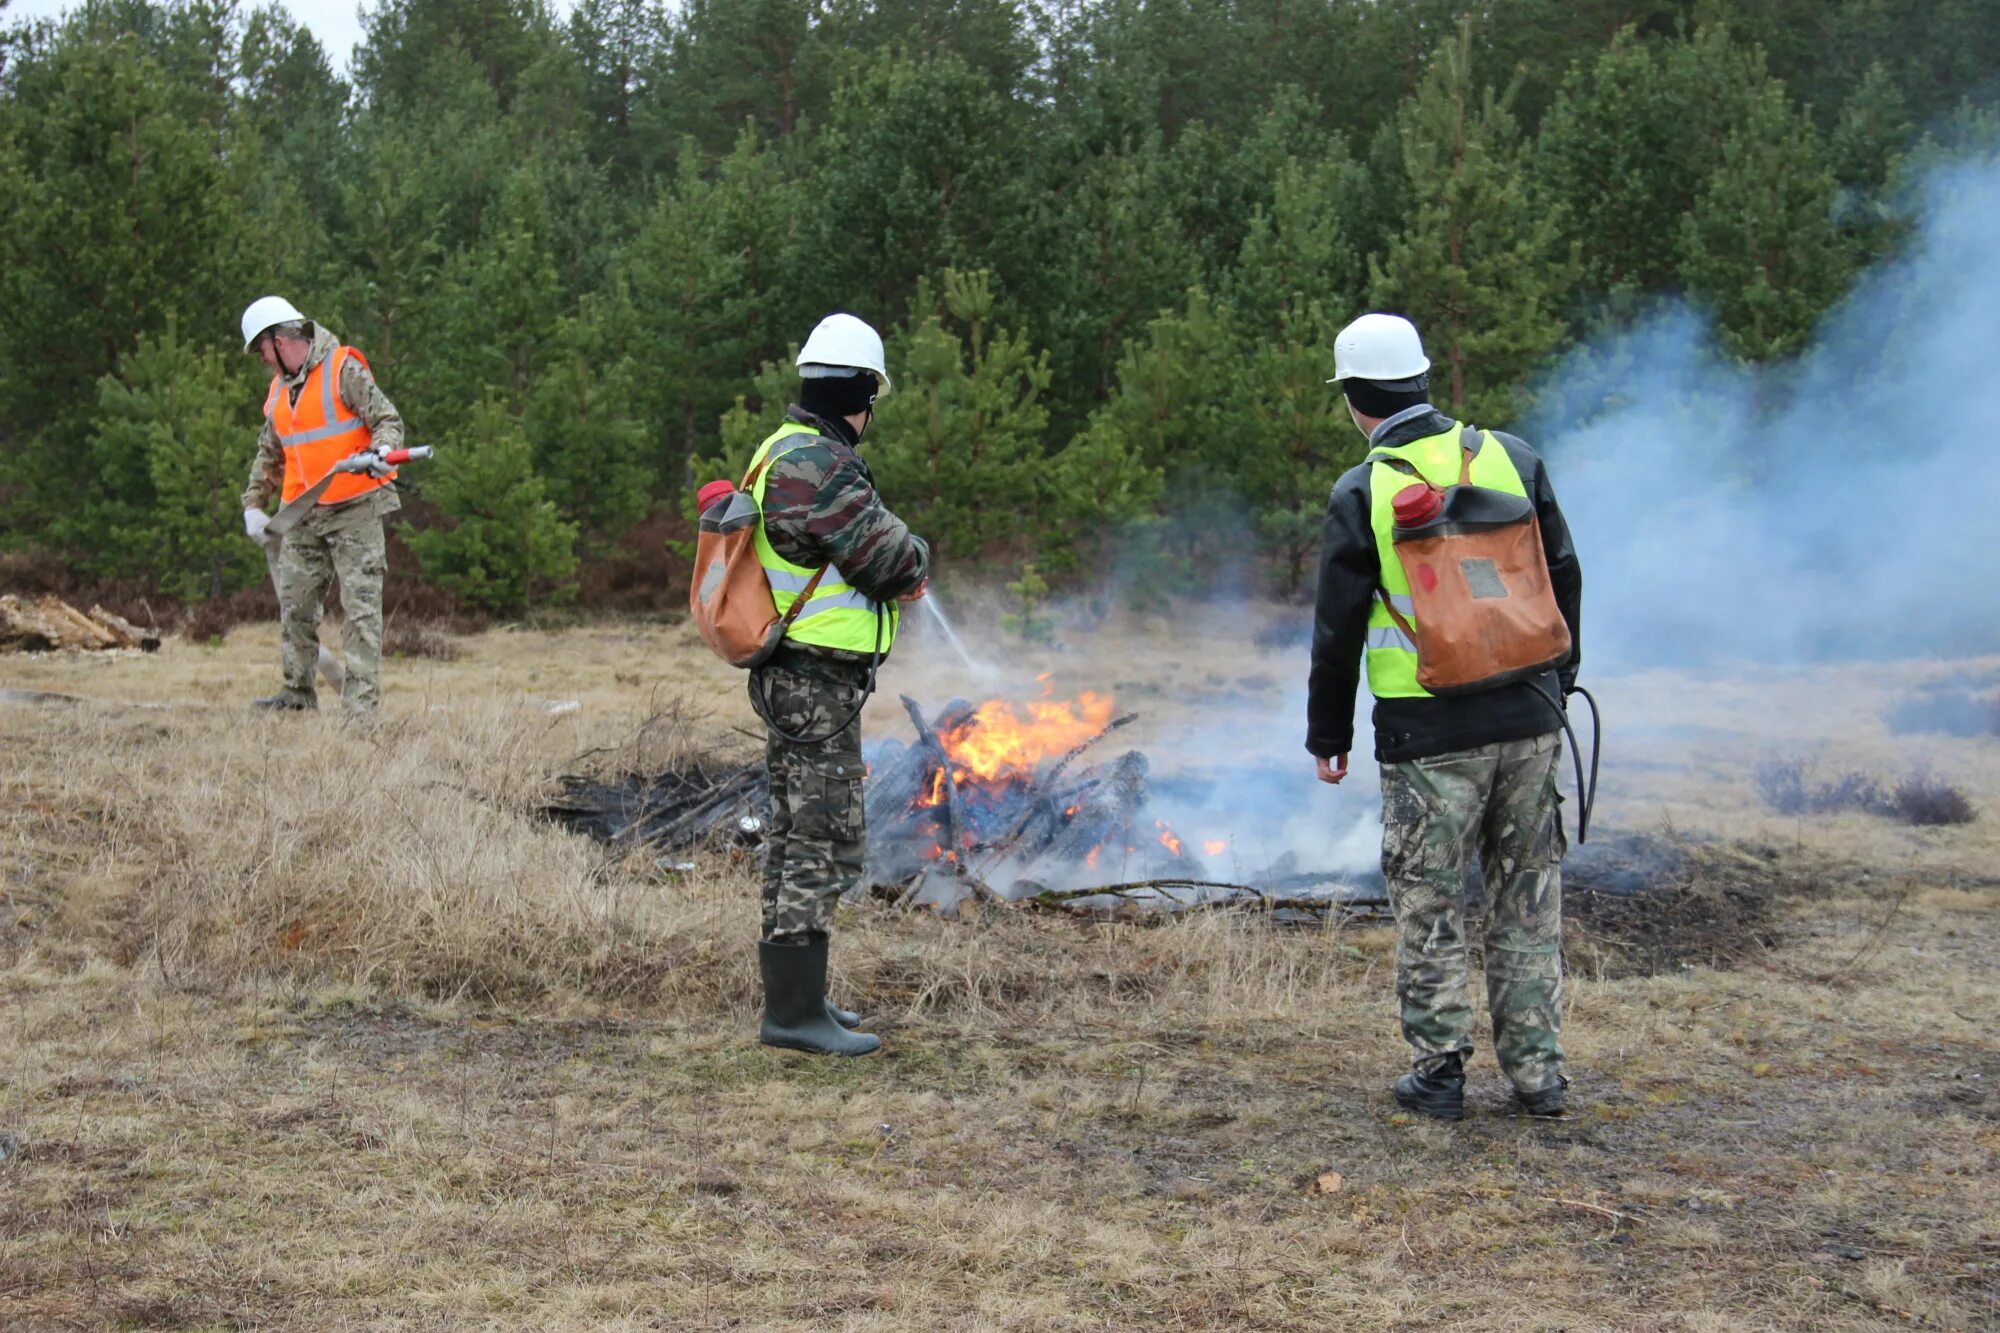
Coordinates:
837	615
320	430
1392	655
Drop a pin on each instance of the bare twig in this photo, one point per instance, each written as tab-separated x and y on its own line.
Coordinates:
1874	938
1615	1216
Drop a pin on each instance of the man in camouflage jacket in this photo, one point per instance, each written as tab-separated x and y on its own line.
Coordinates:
1465	778
344	539
820	508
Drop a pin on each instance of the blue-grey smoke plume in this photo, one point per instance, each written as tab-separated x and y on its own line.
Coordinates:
1839	506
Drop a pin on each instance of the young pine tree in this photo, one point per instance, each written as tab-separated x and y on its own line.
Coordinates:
708	276
590	447
175	431
959	443
1298	266
504	545
1478	265
1761	245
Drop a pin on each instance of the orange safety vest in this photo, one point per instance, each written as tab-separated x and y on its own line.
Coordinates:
320	430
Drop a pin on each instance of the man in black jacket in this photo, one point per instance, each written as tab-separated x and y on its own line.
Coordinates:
1464	775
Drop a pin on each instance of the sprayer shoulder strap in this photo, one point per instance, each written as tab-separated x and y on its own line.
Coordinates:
1468	445
812	585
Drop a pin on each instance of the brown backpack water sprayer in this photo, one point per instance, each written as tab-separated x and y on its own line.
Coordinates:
1485	612
730	597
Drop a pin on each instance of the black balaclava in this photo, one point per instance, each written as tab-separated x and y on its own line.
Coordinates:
837	397
1383	399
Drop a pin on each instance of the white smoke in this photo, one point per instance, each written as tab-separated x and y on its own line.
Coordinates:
1836	506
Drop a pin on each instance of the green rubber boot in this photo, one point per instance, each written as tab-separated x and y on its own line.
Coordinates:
795	1008
847	1018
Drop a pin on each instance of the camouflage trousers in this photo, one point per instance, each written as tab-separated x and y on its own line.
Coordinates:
352	547
818	833
1498	801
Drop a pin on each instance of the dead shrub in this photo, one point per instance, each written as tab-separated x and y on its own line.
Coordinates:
210	621
640	574
1924	801
1788	787
410	638
411	868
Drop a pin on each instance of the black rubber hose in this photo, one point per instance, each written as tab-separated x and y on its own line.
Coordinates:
1586	792
762	707
1589	801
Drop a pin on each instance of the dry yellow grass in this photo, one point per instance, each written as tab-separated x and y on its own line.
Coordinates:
305	1025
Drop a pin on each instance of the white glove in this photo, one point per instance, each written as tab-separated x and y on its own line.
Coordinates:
374	464
255	521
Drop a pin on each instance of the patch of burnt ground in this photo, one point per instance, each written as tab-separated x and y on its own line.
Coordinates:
1639	904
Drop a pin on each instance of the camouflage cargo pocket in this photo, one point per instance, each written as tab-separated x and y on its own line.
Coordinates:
826	801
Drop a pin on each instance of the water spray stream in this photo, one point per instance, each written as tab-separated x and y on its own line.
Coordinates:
930	602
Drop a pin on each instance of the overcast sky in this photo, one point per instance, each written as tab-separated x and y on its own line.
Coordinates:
337	23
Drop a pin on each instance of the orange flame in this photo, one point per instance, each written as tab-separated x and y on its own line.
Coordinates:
1090	858
1215	846
1167	838
1003	740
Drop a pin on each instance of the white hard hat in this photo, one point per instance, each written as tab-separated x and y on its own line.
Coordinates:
264	312
843	342
1378	347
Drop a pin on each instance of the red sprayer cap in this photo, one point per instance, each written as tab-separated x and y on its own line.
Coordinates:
1417	505
712	492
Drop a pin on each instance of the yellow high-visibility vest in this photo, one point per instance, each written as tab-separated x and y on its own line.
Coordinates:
836	615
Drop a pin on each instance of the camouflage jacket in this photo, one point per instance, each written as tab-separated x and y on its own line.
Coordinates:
363	396
820	507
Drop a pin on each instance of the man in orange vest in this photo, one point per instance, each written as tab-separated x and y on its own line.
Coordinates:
323	405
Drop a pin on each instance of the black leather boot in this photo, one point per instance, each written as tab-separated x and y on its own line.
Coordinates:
1548	1102
1439	1093
795	1008
284	701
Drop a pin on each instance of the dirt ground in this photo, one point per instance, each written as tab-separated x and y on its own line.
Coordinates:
309	1025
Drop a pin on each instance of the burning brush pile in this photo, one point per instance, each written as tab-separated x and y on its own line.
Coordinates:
996	800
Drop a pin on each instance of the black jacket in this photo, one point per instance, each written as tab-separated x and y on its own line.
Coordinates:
1350	572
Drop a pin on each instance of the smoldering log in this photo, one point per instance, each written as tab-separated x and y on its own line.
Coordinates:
899	775
1199	895
1047	807
902	774
954	840
1103	810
